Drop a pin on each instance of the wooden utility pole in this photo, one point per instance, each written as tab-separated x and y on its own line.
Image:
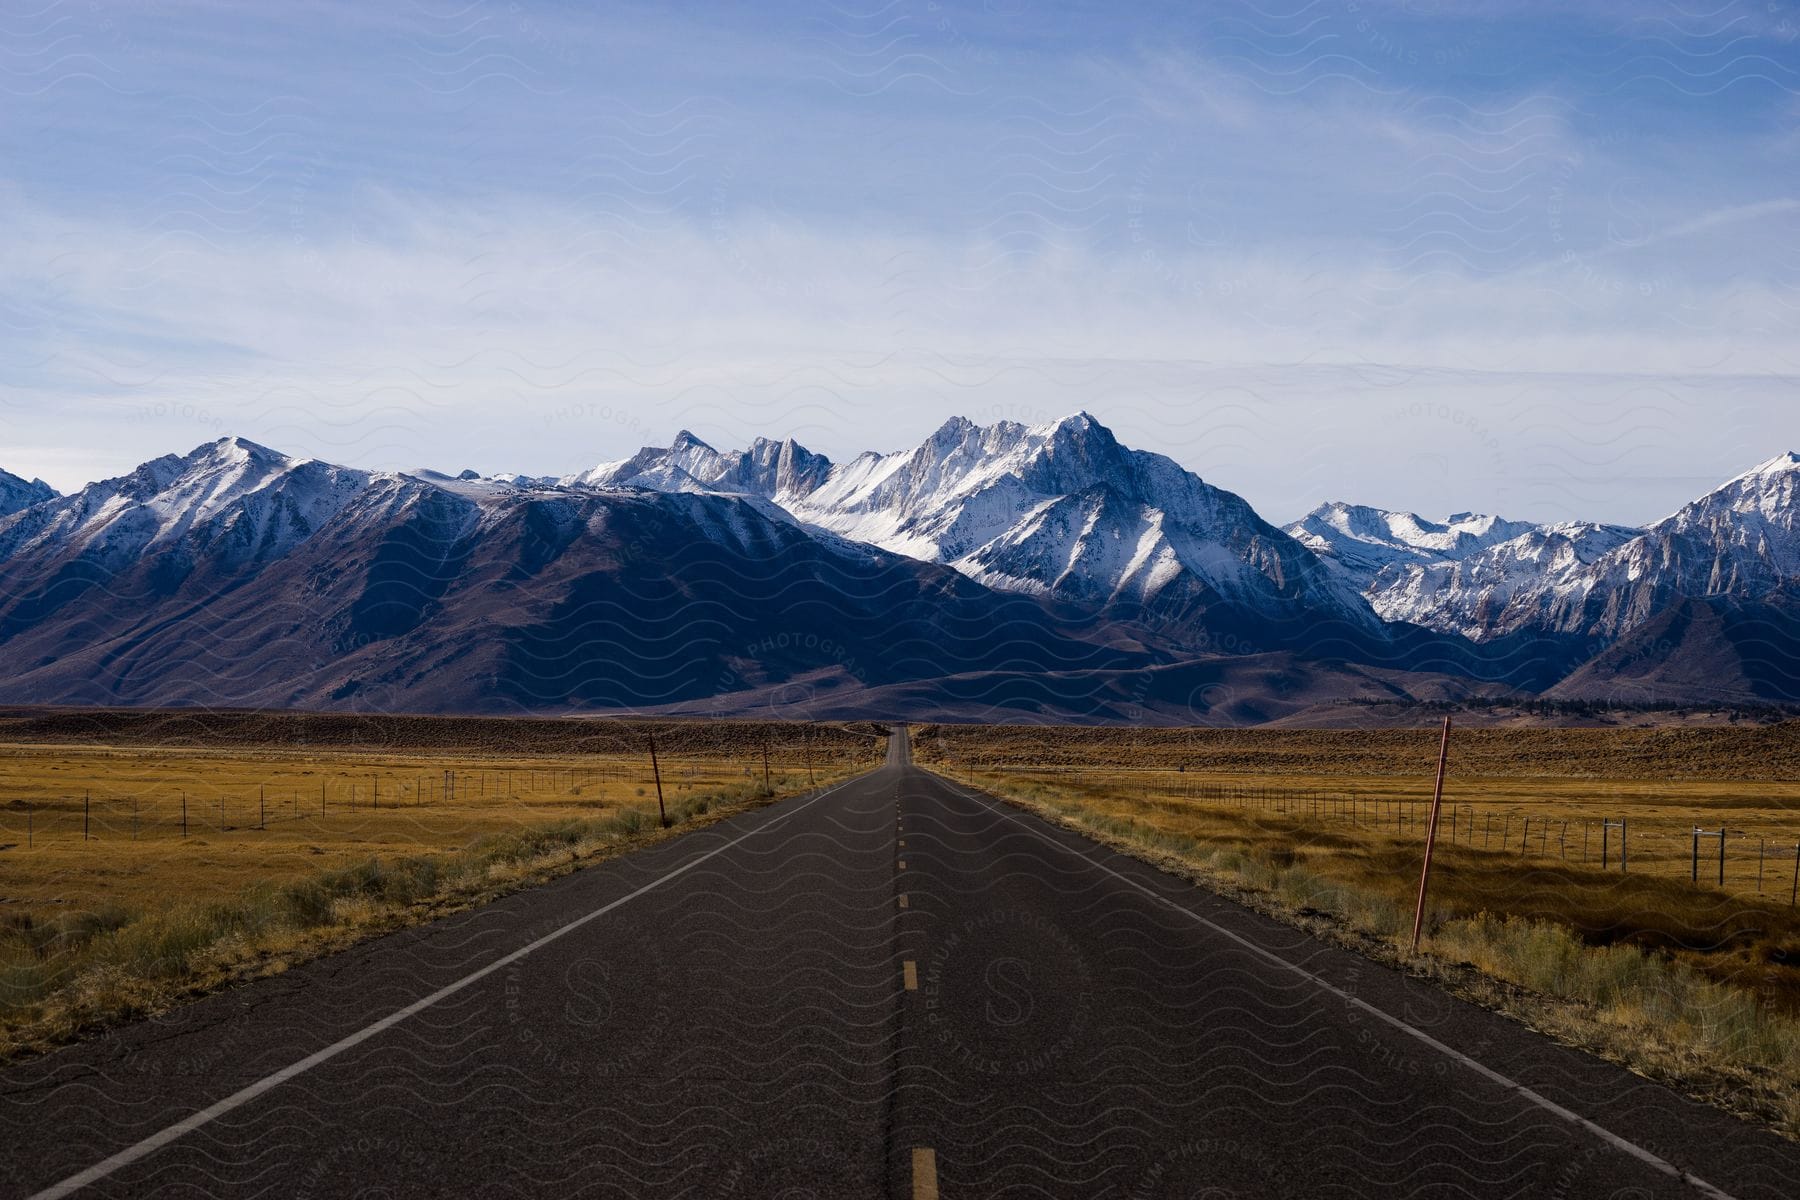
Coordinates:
1437	801
656	770
765	760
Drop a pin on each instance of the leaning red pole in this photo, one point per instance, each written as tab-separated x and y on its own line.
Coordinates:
1437	801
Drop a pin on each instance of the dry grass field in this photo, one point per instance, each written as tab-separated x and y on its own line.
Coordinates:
145	856
1694	982
85	828
1521	832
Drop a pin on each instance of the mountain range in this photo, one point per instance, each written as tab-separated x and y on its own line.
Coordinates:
999	572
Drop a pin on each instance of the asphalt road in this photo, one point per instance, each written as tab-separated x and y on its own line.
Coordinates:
890	988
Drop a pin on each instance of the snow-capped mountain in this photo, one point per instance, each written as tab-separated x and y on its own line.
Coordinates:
1360	542
779	471
1739	542
232	495
1060	510
1000	565
17	493
236	575
1502	588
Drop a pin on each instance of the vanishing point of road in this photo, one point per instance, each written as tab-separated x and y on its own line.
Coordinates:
892	987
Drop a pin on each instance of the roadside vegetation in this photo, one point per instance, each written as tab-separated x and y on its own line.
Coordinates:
134	917
1689	984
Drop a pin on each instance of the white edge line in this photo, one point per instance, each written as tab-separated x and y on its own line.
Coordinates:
238	1099
1648	1157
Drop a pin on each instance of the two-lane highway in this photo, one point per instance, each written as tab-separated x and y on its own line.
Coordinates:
891	988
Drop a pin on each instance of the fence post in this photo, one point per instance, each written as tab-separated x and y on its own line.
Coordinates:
1794	892
656	770
1694	867
262	806
184	814
84	816
1437	800
1607	825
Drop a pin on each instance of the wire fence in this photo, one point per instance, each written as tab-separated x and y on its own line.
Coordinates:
1759	856
175	809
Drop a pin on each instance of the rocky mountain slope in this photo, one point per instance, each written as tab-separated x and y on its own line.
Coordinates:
1015	571
17	493
1739	542
1360	542
239	576
1061	511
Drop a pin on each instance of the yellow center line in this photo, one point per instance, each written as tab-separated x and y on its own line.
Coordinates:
924	1173
902	899
903	864
910	972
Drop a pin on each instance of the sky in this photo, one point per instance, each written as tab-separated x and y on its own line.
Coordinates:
1536	258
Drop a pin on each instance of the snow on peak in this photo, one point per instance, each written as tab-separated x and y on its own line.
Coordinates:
17	494
1078	422
1780	464
233	488
1764	498
234	451
1063	508
1058	506
768	469
1741	540
1360	542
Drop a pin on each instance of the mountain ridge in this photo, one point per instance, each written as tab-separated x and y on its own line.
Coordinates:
238	574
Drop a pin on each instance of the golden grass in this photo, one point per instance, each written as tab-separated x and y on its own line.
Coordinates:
1751	753
133	916
257	817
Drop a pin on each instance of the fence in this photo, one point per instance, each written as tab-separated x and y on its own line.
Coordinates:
175	807
1756	856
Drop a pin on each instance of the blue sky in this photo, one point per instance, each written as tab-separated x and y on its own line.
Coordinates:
1530	257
